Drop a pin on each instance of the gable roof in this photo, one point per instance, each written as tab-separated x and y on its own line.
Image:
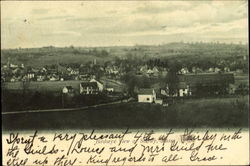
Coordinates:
97	81
206	79
145	91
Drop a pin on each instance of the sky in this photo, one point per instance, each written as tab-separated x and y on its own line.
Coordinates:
112	23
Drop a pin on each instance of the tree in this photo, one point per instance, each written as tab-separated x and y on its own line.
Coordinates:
172	82
172	77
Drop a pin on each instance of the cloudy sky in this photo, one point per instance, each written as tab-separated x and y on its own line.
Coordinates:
109	23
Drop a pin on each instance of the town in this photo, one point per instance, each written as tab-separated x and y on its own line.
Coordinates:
154	80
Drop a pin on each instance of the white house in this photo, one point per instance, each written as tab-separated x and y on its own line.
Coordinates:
146	96
183	89
110	89
31	75
211	69
183	92
184	70
217	69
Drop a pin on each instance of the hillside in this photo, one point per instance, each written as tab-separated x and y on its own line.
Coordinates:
219	112
52	55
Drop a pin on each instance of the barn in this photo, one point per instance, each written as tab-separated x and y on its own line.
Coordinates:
204	84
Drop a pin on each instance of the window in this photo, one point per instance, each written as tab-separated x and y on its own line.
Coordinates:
147	99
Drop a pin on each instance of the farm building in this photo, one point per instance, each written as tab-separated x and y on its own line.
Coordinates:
146	96
204	83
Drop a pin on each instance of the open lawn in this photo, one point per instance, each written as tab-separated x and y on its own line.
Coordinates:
212	112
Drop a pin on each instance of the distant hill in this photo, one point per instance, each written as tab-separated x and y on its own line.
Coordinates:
52	55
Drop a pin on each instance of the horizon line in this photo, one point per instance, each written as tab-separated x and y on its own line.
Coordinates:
131	45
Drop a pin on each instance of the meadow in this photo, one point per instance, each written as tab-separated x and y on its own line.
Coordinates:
196	113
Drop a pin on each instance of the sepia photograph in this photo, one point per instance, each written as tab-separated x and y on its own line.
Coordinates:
124	65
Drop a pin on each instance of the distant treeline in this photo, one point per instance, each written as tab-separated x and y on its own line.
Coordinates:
202	55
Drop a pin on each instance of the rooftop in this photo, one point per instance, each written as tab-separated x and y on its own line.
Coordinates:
145	91
207	78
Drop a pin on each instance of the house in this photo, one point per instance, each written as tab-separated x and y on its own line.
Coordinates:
99	84
183	89
226	69
53	77
67	89
84	77
146	96
89	88
112	70
31	75
110	89
211	69
143	68
74	72
163	92
155	70
13	66
184	70
217	69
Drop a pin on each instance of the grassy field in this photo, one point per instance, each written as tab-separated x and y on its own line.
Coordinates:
43	86
55	86
206	113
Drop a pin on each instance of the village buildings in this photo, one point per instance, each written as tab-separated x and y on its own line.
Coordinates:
89	88
203	84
